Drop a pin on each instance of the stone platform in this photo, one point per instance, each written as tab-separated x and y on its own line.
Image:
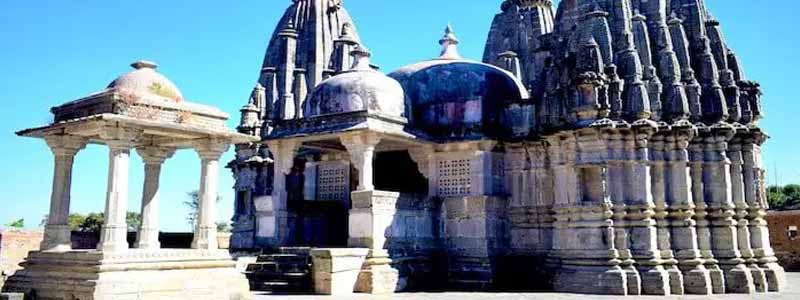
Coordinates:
791	292
131	274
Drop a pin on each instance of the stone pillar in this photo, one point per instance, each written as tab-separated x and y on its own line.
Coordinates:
615	178
717	188
426	164
641	211
57	232
361	147
696	278
584	234
273	224
310	175
702	219
205	233
114	234
371	215
742	223
755	196
153	158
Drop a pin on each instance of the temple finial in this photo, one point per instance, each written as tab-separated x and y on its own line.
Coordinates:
449	44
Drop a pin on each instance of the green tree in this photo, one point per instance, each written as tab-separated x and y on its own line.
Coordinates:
17	224
193	204
776	198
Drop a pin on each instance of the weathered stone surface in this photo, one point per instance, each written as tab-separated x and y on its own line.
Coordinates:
337	270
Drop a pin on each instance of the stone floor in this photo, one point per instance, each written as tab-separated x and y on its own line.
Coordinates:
792	293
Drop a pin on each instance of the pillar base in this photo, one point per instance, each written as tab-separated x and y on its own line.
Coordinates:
601	280
633	279
676	281
759	278
655	280
114	237
775	276
717	279
377	279
738	279
697	281
133	274
336	271
57	238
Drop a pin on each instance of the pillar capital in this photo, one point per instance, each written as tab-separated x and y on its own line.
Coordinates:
120	138
155	155
360	141
361	147
65	145
283	153
211	149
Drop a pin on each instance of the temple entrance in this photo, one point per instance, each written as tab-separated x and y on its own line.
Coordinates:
395	171
319	199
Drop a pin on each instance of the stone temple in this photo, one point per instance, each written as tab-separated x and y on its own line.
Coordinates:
601	146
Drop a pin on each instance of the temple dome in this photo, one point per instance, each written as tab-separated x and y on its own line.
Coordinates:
457	98
359	89
145	81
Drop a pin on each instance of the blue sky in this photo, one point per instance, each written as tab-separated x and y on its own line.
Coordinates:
55	51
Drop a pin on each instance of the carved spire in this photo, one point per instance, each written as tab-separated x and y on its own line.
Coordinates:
449	43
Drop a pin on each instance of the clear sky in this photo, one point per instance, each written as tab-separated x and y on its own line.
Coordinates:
55	51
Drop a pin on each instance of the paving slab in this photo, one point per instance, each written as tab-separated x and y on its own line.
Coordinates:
792	293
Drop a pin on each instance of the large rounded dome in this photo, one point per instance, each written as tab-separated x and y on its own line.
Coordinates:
456	98
360	89
146	81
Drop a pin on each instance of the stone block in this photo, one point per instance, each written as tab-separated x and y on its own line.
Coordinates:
12	296
337	270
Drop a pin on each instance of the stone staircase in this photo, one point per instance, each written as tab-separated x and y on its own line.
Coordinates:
287	271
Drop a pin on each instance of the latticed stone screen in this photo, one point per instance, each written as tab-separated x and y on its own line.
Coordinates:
455	178
333	181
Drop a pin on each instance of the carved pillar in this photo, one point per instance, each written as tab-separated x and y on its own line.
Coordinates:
701	217
273	224
205	233
741	212
57	232
717	188
361	147
113	236
684	239
644	214
584	238
426	164
755	196
153	158
615	177
310	175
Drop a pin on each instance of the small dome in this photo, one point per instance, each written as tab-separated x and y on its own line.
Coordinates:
359	89
450	97
145	81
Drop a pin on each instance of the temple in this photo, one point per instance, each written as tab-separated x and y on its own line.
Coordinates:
603	146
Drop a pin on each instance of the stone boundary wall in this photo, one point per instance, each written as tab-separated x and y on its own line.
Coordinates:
787	248
14	247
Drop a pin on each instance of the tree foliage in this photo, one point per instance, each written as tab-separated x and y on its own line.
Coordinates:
93	222
193	204
784	197
17	224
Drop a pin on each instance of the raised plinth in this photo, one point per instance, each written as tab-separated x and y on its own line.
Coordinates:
131	274
336	270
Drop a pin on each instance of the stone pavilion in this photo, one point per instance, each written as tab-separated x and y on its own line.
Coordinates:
143	111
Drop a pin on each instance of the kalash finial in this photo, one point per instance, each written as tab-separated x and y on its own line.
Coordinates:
449	44
361	61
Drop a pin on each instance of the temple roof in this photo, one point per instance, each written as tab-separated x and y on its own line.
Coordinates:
145	80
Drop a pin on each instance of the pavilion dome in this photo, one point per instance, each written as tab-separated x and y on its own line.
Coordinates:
145	81
451	97
359	89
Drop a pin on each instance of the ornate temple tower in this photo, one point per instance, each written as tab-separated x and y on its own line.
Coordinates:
311	42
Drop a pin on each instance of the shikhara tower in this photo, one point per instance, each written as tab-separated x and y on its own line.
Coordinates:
606	146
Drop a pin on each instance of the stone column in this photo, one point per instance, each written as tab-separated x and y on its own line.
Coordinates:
701	217
755	196
742	212
153	158
717	188
615	178
310	175
426	164
641	211
584	235
371	215
114	235
273	225
57	232
361	147
205	233
696	278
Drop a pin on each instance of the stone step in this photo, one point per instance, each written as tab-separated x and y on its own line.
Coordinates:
286	271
